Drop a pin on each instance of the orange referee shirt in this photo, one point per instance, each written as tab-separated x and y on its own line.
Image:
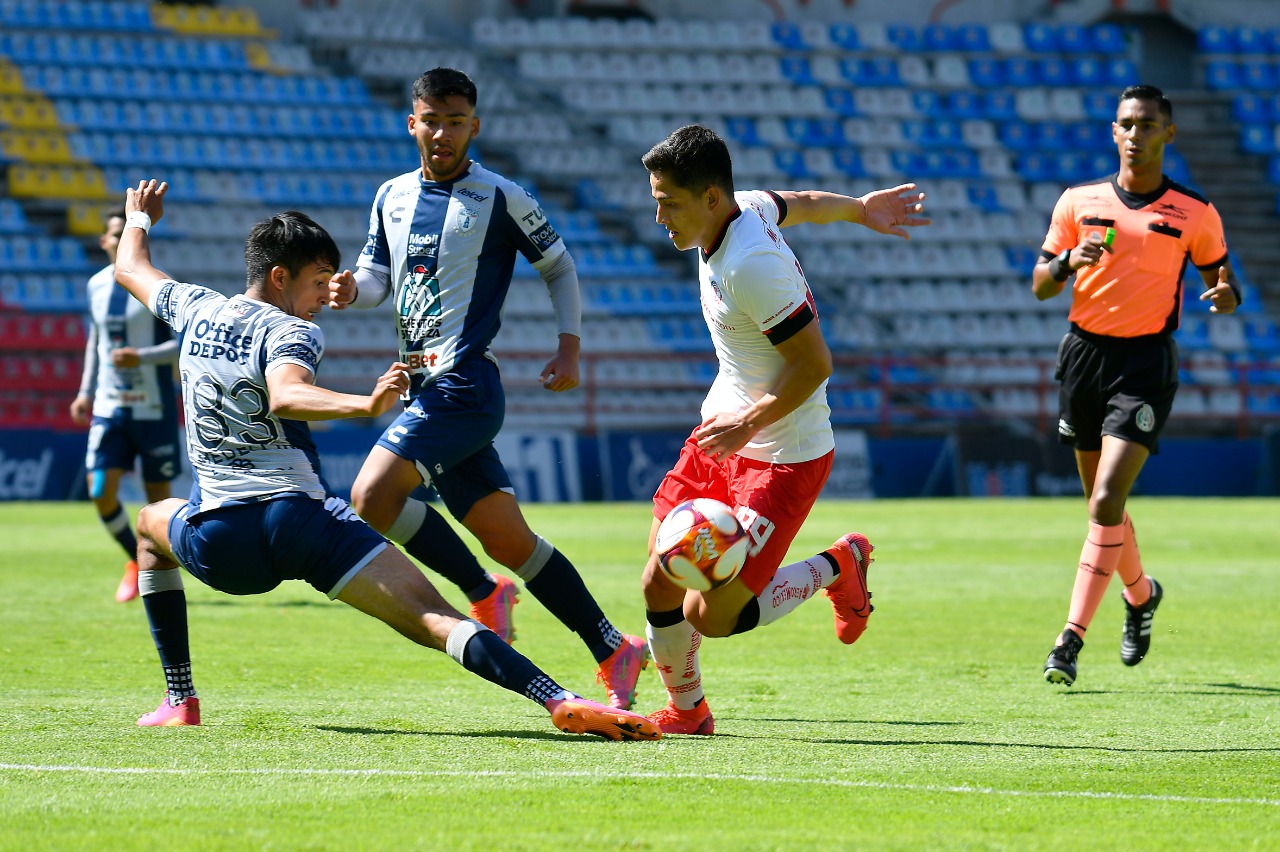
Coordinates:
1137	289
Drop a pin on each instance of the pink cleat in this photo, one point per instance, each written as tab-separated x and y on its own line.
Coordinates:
582	716
620	672
494	612
672	720
128	588
849	596
170	716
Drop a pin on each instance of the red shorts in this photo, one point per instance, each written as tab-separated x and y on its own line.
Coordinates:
771	500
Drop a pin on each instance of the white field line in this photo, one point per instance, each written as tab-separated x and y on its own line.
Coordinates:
660	776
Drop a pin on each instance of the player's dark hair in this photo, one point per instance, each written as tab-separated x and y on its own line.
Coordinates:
693	158
1150	93
291	240
117	213
440	83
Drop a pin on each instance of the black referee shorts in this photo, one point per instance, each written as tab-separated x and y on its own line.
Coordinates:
1119	386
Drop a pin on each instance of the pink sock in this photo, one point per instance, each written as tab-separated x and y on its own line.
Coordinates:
1137	589
1102	550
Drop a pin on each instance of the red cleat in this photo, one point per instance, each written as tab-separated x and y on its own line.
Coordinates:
128	588
849	596
169	716
582	716
672	720
494	612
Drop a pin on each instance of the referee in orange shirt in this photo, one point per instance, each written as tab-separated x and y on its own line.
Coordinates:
1127	239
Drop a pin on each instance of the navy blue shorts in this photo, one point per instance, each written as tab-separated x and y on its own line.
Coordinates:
251	549
117	442
448	431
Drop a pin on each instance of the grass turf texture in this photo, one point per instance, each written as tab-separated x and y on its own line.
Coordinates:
324	729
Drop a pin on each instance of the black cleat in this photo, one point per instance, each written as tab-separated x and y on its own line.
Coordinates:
1136	639
1060	667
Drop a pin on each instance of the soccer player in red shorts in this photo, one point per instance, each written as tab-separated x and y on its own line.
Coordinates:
1118	364
765	444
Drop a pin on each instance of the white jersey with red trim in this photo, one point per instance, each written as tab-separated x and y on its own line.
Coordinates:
754	295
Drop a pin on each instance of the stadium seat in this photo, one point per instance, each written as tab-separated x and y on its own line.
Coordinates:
972	38
1250	41
1222	75
1107	39
1215	40
1259	75
1041	38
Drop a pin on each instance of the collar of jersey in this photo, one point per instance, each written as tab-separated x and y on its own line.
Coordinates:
1133	200
724	229
422	178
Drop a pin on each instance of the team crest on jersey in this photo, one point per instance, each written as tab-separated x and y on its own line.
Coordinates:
715	289
1145	418
240	309
466	219
419	294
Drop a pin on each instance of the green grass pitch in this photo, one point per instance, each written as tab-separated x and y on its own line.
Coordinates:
325	730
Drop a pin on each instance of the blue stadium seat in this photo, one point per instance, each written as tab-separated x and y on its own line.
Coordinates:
743	130
1074	40
1100	105
1258	139
1121	73
1041	38
787	36
1108	39
1259	75
1273	41
849	162
1089	72
972	38
1022	73
1001	105
791	163
1215	40
904	37
840	101
1057	73
963	104
926	103
987	73
880	72
939	38
1089	136
1221	74
1017	135
1249	108
796	69
844	36
1250	41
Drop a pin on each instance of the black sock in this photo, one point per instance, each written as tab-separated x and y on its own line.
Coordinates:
497	662
559	588
167	614
117	523
438	546
835	566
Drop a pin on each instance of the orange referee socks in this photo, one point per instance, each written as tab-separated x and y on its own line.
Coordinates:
1099	558
1136	592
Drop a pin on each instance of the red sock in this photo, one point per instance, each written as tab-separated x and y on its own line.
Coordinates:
1137	589
1098	559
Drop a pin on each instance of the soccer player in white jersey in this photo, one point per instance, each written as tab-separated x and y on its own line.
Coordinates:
443	240
259	511
127	399
764	445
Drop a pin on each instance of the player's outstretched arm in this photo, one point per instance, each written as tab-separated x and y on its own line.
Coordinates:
294	394
143	207
885	211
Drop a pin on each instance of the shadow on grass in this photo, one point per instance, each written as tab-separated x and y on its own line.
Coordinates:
856	721
250	601
1210	689
478	735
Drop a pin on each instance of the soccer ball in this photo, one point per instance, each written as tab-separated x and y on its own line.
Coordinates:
701	545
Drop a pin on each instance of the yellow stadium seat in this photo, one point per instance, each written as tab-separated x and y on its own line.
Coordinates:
205	20
10	78
36	147
31	112
40	181
84	218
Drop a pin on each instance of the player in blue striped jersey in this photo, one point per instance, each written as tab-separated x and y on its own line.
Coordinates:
127	399
259	511
442	243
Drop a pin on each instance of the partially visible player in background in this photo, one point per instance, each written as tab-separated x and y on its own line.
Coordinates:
260	511
127	398
443	240
1118	364
765	445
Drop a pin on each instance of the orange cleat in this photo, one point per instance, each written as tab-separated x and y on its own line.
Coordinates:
494	612
849	596
672	720
582	716
621	671
169	716
128	588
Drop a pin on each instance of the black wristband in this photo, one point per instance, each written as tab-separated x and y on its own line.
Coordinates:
1060	267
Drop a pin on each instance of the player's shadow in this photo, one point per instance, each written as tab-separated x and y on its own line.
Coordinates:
908	723
1209	689
219	602
476	735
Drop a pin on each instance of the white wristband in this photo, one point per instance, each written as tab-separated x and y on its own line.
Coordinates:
138	219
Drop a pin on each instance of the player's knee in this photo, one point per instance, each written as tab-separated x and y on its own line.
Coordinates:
373	505
1106	507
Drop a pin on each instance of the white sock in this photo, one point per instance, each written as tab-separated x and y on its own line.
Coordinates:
792	585
675	650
